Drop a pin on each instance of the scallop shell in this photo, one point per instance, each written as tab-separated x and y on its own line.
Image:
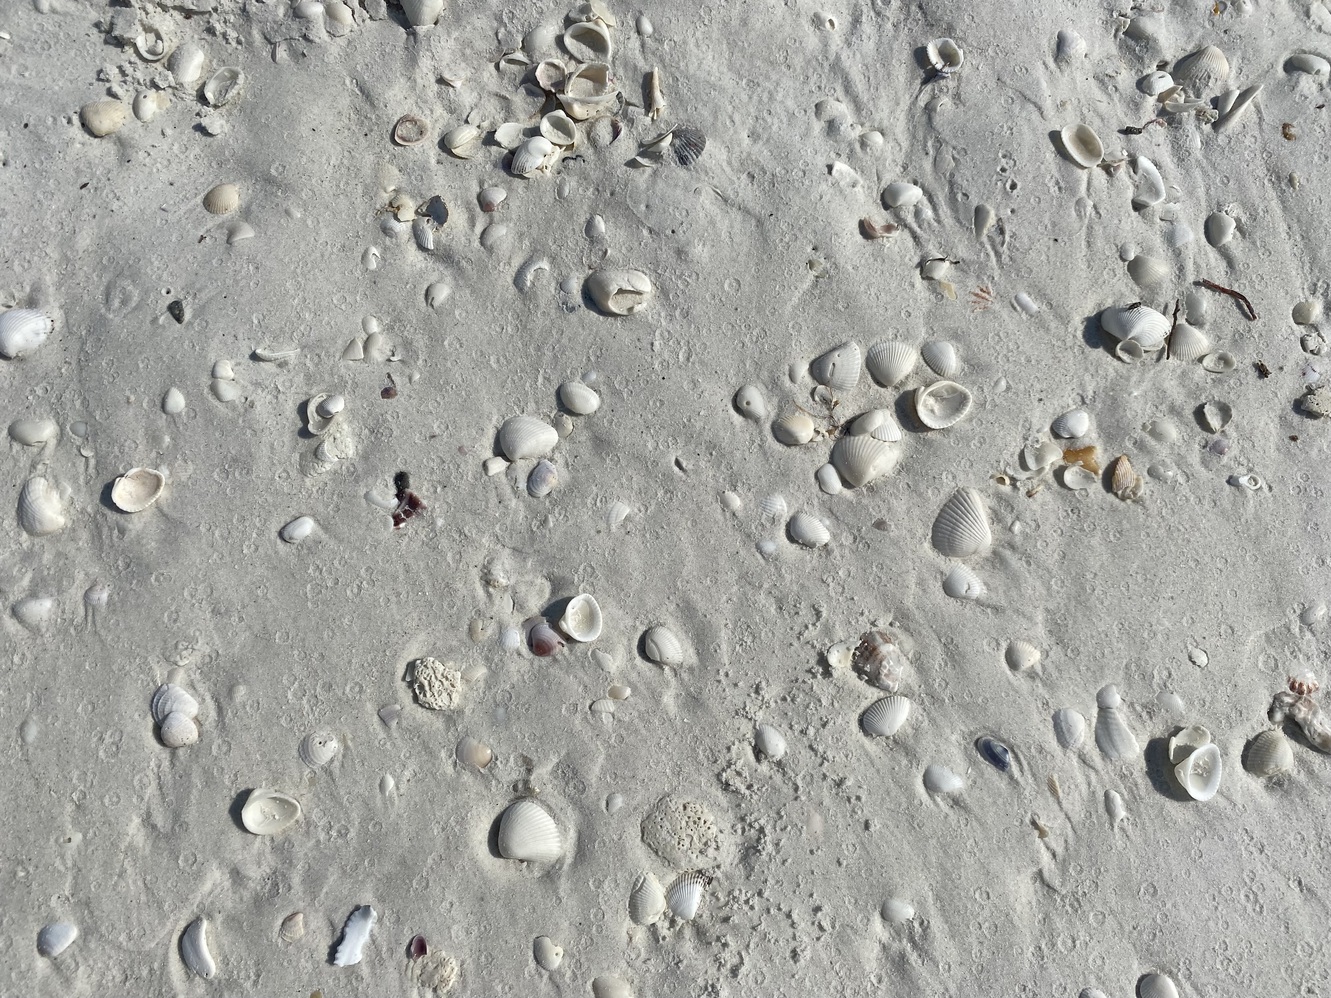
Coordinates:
55	938
1112	734
619	292
178	730
684	895
901	195
962	583
942	404
194	949
1199	774
687	144
769	743
1270	753
1188	343
961	529
527	833
1071	425
1147	271
1202	71
941	780
647	899
267	812
1082	145
319	749
588	41
137	489
292	927
1021	655
884	718
547	953
793	429
1156	986
578	398
524	437
40	511
1124	482
891	361
355	934
808	531
860	460
172	699
532	156
941	356
582	618
773	507
661	646
224	86
23	330
839	368
994	752
1069	728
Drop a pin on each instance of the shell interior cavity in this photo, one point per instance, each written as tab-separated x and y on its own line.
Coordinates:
581	620
1082	145
267	812
942	404
137	489
619	292
529	834
40	509
1199	774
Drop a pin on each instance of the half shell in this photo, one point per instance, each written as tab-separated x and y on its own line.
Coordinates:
524	437
224	86
647	899
1069	728
840	368
588	41
942	404
137	489
684	895
578	398
941	780
862	459
178	730
1270	753
23	330
172	699
661	646
527	833
1021	655
1156	986
194	949
963	583
619	292
582	618
1202	71
961	529
1138	322
319	749
1199	774
890	361
808	531
941	356
884	718
267	812
1082	145
40	510
547	953
55	938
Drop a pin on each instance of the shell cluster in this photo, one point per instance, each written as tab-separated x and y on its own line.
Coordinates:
176	713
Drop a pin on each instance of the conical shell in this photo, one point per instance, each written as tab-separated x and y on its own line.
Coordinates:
172	699
619	292
40	511
661	646
808	531
1082	145
647	899
267	812
963	583
941	356
55	938
1139	323
884	718
23	330
1188	343
684	895
194	949
942	404
319	749
1021	655
961	529
178	730
840	368
1113	736
528	833
137	489
582	618
941	780
1156	986
524	437
1270	753
1069	728
1202	71
890	361
1199	774
860	460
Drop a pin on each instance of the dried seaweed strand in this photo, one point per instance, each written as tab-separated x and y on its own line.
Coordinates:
1252	312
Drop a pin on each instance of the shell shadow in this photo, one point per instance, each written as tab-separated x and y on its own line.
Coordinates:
921	57
1158	770
1093	336
554	610
104	498
237	804
492	837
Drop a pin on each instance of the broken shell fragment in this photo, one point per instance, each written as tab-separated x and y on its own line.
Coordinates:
619	292
137	489
1199	774
355	934
901	195
224	86
194	949
588	41
527	833
267	812
839	368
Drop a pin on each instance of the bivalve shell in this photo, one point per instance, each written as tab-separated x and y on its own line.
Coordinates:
319	749
684	895
1269	754
355	934
1021	655
994	752
194	949
610	986
1156	986
891	361
1219	228
1199	774
542	480
103	117
896	910
945	56
750	404
292	927
582	618
267	812
186	64
532	156
901	195
1306	62
588	41
578	398
884	718
547	953
463	140
178	730
808	531
793	429
525	437
1082	146
527	833
962	583
961	529
297	530
224	86
839	368
23	330
769	743
1071	425
941	781
942	404
1112	735
862	459
1203	70
1139	323
137	489
647	899
619	292
941	356
661	646
55	938
34	432
1069	728
1155	83
1188	343
40	509
172	699
1147	271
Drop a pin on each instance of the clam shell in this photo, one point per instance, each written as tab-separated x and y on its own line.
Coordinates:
194	949
619	292
23	330
1306	62
961	529
994	752
267	812
297	530
35	613
578	398
1219	228
1219	362
1069	728
1082	145
1156	986
224	86
1071	425
172	699
1188	343
941	780
422	13
1021	655
542	480
901	195
647	899
355	934
896	910
524	437
547	953
769	743
661	646
750	404
609	986
33	432
1200	72
808	531
884	718
1068	45
860	460
292	927
944	55
582	618
684	895
890	361
40	511
55	938
1113	736
1269	753
474	753
527	833
839	368
490	198
942	404
588	41
962	583
687	145
1147	271
941	356
1139	323
793	429
103	117
137	489
1199	773
319	749
178	730
829	482
773	507
532	156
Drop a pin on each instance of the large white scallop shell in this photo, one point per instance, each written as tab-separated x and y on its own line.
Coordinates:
961	529
862	459
660	645
582	618
355	934
137	489
55	938
23	330
1270	753
1069	728
194	949
962	583
267	812
40	510
941	780
1112	734
524	437
1199	774
839	368
1188	343
172	699
528	833
684	895
647	899
1139	323
942	404
890	361
884	718
319	749
808	531
619	292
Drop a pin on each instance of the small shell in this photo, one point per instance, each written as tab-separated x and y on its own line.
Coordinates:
23	330
769	743
223	86
524	437
1114	806
1156	985
684	895
773	507
1188	343
884	718
292	927
840	368
750	404
793	429
547	953
474	753
588	41
34	432
178	730
1305	62
355	934
222	199
527	833
544	640
687	144
941	780
151	44
862	459
1147	271
137	489
942	404
877	658
410	130
1199	774
532	156
578	398
896	910
1108	698
559	129
1071	425
1082	145
1068	46
297	530
1021	655
1076	478
1124	482
961	529
619	292
319	749
1200	72
1215	415
941	356
660	645
1155	83
194	949
1219	362
582	618
829	482
1069	728
808	531
994	752
962	583
542	480
1150	188
945	56
490	198
186	64
103	117
891	361
55	938
40	510
1112	735
463	140
267	812
647	900
901	195
1219	228
1269	754
1305	313
172	699
609	986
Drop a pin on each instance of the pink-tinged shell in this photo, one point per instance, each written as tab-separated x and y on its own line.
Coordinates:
544	640
417	948
879	661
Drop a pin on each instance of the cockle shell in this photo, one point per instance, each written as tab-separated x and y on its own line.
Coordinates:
962	583
35	613
1071	425
1124	481
941	781
137	489
942	404
222	199
861	459
532	156
773	507
793	429
474	753
1069	728
103	117
884	718
1139	323
877	423
542	480
661	646
578	398
941	356
319	749
890	361
547	953
23	330
527	833
839	368
40	510
619	292
1021	655
808	531
1199	774
55	938
647	900
178	730
750	404
1147	271
1082	145
186	63
684	895
769	743
961	529
267	812
355	934
1188	343
463	140
1156	986
1201	71
524	437
944	55
422	13
292	927
582	618
172	699
1112	734
194	949
1270	753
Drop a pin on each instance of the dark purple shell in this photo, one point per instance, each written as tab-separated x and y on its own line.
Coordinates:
994	752
417	947
687	144
544	640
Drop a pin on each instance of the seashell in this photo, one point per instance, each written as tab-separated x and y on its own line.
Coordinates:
1215	415
319	749
267	812
687	144
1306	62
829	482
1219	362
1114	806
769	743
578	398
1124	482
297	530
490	198
1202	71
588	41
1150	188
1269	753
589	93
794	429
1069	728
147	103
901	195
410	130
463	140
224	86
422	13
582	618
839	369
1188	343
877	658
1187	741
961	529
186	64
772	507
151	44
660	645
1038	456
647	900
34	432
531	156
609	986
527	833
103	117
474	753
942	404
542	480
194	949
1021	655
684	895
544	640
1153	84
1069	45
23	330
1219	228
619	292
891	361
1112	735
994	752
292	927
1108	698
178	730
808	531
860	460
1071	425
962	583
40	511
896	910
1199	774
1082	145
941	356
1147	271
1156	985
524	437
355	934
1139	323
1305	313
35	613
172	699
226	391
884	718
547	953
941	780
55	938
983	220
945	56
750	404
137	489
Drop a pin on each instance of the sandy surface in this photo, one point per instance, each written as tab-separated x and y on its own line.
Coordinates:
1195	600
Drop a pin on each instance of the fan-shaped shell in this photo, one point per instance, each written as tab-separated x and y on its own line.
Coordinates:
1140	323
40	510
1113	736
137	489
661	646
962	583
884	718
172	699
1270	753
23	330
194	949
524	437
1147	271
1069	728
647	899
684	895
582	618
890	361
1219	228
877	423
528	833
1021	655
793	429
619	292
1188	343
267	812
1071	425
474	753
222	199
942	404
941	780
750	404
839	368
808	531
319	749
532	156
1199	774
292	927
862	459
941	356
1187	741
578	398
178	730
103	117
55	938
1201	71
961	529
687	143
1082	145
773	507
1156	986
462	140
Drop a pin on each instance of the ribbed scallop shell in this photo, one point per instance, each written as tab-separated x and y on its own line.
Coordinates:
961	529
684	895
194	949
1124	482
942	404
23	330
773	507
1188	343
582	618
137	489
793	429
222	199
840	368
619	292
962	583
884	718
178	730
661	646
647	899
1140	323
890	361
941	780
530	157
808	531
319	749
1199	774
1270	753
687	144
578	398
40	511
1201	71
1071	424
1156	986
267	812
1147	271
941	356
862	459
1021	655
1113	736
1069	728
769	743
524	437
172	699
528	833
292	927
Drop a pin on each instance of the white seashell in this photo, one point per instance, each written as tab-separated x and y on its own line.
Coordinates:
1202	71
186	64
1071	425
578	398
1306	62
151	44
1219	362
1155	83
1021	655
1188	343
172	699
1156	986
619	292
1138	323
103	117
961	529
1305	313
945	56
1215	415
1187	741
588	41
147	104
524	437
773	507
35	613
1147	271
1068	46
609	986
941	780
435	295
547	953
1269	754
884	718
319	749
661	646
23	330
527	833
33	432
178	730
962	583
1082	145
1150	185
941	356
1069	728
490	198
829	482
422	13
1108	698
840	368
297	530
267	812
647	899
474	753
532	156
901	195
1114	806
750	404
55	938
890	361
896	910
355	934
582	618
794	429
942	404
1112	735
808	531
225	391
984	220
1199	774
1219	228
173	402
40	511
194	949
223	86
542	480
292	927
769	743
684	895
463	141
860	460
137	489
